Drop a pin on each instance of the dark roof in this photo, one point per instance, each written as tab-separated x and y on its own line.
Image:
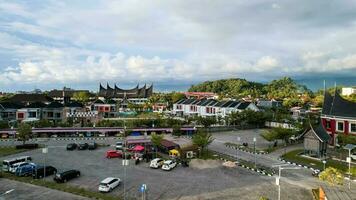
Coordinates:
243	105
54	104
10	105
227	103
196	102
110	101
203	102
36	105
318	131
338	106
188	101
219	104
98	101
233	104
67	92
74	104
168	144
179	101
209	102
30	98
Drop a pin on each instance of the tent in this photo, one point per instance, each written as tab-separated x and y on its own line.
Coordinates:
138	148
174	153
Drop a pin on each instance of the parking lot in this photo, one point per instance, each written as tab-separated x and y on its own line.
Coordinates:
180	183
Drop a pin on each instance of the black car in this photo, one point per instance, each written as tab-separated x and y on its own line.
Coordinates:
39	172
71	146
92	146
65	176
83	146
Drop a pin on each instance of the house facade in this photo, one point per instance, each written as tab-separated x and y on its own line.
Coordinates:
338	116
210	107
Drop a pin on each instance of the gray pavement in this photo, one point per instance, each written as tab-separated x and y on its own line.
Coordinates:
24	191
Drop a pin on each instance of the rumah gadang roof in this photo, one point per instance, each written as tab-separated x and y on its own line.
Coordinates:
116	92
338	106
319	132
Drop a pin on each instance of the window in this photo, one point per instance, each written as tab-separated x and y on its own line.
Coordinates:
20	115
58	115
50	114
32	114
328	124
340	126
353	127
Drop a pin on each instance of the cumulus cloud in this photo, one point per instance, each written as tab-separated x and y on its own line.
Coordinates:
159	41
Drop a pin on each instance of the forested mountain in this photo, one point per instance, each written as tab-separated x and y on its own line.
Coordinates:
230	87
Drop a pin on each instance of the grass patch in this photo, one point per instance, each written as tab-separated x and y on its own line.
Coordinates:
5	151
61	187
294	156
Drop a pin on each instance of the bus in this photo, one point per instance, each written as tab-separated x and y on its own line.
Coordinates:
7	163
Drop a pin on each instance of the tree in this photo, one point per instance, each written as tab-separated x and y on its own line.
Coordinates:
332	175
81	96
156	141
175	96
206	121
202	139
24	132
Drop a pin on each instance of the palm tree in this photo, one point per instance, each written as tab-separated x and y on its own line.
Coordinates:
156	141
202	139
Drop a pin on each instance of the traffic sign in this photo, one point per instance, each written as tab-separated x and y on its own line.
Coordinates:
143	188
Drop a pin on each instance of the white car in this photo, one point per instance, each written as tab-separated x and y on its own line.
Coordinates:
119	145
169	164
109	184
156	163
353	156
13	167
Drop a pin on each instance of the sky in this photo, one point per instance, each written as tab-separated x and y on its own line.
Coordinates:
78	44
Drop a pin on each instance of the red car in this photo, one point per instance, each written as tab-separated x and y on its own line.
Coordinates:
113	154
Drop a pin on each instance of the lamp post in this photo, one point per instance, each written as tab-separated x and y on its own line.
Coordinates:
280	167
237	147
44	151
324	162
348	159
5	193
254	148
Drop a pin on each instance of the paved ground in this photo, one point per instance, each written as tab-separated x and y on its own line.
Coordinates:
180	183
24	191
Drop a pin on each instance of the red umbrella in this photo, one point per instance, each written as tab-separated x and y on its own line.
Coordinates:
138	148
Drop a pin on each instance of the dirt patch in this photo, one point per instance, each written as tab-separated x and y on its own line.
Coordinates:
204	164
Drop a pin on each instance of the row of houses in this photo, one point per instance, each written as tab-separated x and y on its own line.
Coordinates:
210	107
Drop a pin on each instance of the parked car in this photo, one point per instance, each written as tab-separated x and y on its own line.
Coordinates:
25	170
113	154
316	172
39	172
109	184
156	163
353	156
13	167
83	146
119	145
65	176
71	146
169	164
92	146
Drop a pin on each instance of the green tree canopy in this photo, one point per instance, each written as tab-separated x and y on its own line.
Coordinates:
202	139
156	140
24	132
332	175
81	96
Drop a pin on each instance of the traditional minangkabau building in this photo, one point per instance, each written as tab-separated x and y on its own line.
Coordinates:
316	141
123	97
338	116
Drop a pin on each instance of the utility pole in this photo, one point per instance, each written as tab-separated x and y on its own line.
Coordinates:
254	149
280	167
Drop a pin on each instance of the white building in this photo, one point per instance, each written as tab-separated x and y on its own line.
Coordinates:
346	91
210	107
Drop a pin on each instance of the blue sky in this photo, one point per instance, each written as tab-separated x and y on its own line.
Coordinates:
51	44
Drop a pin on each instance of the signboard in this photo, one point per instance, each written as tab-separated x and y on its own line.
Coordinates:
143	188
348	159
44	150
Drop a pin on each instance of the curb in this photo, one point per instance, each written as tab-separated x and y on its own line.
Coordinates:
65	139
236	148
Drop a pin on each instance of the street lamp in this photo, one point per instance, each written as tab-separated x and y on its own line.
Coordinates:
254	148
348	159
237	147
7	192
280	167
324	162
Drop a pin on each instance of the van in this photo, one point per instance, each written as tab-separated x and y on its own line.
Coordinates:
25	170
65	176
13	167
42	171
7	163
